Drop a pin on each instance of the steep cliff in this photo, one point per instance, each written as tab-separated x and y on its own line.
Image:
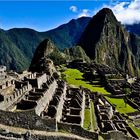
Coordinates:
106	41
41	61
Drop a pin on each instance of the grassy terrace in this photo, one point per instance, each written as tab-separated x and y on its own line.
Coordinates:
74	77
135	129
87	119
93	119
120	105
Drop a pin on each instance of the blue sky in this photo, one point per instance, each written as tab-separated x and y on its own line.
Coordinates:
45	15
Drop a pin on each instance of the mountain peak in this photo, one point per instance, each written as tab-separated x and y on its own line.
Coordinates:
106	11
105	41
106	14
101	23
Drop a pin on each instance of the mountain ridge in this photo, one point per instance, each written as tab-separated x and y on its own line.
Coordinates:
106	41
25	41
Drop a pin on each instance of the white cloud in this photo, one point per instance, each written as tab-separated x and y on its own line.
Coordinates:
80	12
73	8
84	13
127	12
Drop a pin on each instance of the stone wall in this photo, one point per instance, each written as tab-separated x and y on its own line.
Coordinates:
134	105
29	136
41	79
40	137
38	81
116	135
60	105
26	119
77	130
14	97
83	108
41	104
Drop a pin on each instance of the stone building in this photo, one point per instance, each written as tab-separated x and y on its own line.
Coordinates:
2	72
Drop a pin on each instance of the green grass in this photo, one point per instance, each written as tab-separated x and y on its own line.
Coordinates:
94	126
120	105
87	124
100	138
74	77
135	129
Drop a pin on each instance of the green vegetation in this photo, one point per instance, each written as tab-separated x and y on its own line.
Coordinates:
75	53
93	121
57	57
24	42
74	77
135	129
87	119
10	55
120	105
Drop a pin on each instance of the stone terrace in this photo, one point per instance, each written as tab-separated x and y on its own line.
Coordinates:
74	107
110	120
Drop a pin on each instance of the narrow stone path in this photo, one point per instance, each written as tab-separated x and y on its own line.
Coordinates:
18	130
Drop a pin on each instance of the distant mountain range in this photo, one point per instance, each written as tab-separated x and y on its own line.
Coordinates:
18	45
135	28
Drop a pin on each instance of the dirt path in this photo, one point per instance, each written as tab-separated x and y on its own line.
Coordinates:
18	130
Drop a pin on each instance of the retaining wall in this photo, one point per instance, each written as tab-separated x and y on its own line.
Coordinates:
77	130
26	119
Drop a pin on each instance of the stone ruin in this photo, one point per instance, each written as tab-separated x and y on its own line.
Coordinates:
38	101
73	107
2	72
110	120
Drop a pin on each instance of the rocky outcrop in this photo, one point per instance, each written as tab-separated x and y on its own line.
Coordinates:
41	62
46	54
76	52
106	41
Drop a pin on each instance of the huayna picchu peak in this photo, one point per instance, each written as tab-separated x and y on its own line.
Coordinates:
106	41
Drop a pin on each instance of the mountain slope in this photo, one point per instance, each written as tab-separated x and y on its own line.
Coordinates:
41	60
134	28
47	51
106	41
76	52
25	42
10	55
25	39
67	35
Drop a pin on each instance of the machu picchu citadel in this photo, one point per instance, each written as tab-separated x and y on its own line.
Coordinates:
44	102
80	81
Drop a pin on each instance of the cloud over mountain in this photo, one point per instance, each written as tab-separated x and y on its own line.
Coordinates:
127	12
84	13
80	12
